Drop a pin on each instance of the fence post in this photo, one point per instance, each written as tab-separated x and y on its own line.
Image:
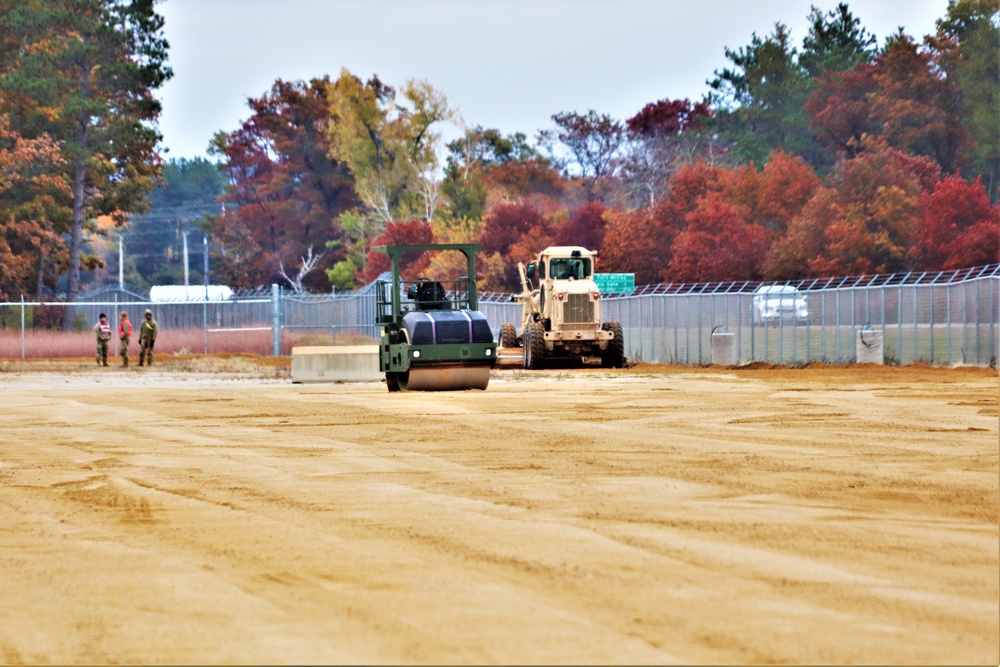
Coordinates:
979	296
837	329
276	319
947	319
883	314
822	330
663	328
677	330
899	323
700	324
204	321
22	326
687	328
930	324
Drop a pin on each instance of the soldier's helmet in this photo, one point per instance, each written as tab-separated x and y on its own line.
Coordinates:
149	312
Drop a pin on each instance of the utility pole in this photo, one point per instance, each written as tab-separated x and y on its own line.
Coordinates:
205	268
121	262
185	235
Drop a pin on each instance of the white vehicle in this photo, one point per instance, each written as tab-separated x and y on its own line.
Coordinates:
182	294
776	303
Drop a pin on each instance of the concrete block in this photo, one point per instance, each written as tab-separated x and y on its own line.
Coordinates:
724	349
869	348
344	363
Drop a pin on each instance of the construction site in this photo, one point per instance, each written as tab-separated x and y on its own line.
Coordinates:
210	510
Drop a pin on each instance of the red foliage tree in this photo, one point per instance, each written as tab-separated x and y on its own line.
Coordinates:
958	227
412	265
505	225
669	117
33	205
502	229
521	181
719	244
640	240
840	108
285	188
585	227
786	186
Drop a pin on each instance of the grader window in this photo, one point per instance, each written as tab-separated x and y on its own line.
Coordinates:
577	269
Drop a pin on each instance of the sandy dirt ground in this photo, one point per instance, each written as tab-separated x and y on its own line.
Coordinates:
654	515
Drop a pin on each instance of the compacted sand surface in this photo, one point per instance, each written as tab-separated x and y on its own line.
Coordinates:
655	515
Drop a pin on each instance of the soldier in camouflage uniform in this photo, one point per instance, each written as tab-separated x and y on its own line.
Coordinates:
147	336
125	335
103	331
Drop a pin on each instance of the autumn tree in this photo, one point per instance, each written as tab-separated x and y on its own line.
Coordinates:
472	156
411	265
388	141
719	244
584	227
957	227
661	137
864	221
285	191
840	108
969	34
907	94
775	195
593	141
532	182
84	73
919	107
641	241
501	231
32	211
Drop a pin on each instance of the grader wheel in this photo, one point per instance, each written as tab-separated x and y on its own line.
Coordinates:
508	335
534	345
614	357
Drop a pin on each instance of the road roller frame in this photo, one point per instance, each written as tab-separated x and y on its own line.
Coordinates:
433	335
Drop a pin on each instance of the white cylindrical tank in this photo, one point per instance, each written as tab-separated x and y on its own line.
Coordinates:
869	348
724	349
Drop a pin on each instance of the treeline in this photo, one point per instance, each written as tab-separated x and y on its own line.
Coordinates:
838	155
78	138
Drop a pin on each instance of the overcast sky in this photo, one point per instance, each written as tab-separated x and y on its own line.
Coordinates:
507	64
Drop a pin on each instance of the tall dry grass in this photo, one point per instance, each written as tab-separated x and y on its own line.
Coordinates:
58	344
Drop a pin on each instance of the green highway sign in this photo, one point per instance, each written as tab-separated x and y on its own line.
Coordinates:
615	283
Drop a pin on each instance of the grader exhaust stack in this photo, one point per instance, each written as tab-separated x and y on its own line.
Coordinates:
433	336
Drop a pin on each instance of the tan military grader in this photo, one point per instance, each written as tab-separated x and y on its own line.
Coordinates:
561	317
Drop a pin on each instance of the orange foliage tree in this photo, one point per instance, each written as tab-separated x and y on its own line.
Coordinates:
863	222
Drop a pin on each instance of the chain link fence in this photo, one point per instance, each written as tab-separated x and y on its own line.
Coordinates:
944	318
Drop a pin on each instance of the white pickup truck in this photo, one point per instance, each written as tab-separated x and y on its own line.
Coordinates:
774	303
